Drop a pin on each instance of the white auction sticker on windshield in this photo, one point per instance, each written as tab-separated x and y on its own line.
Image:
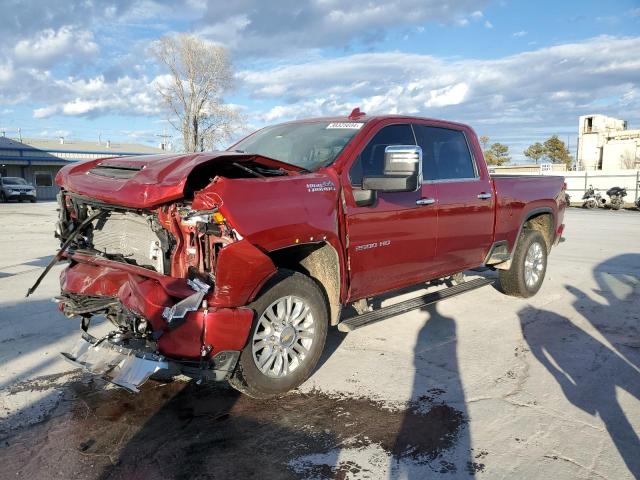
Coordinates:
350	125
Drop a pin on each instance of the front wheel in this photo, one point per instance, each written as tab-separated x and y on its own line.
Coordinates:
591	203
287	337
528	266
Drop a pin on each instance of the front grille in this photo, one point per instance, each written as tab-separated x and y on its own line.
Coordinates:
129	235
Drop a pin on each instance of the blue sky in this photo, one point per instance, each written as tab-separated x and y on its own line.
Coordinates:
516	71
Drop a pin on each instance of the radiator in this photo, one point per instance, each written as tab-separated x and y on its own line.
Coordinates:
129	235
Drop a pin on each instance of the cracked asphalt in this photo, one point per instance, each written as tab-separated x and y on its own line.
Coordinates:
481	385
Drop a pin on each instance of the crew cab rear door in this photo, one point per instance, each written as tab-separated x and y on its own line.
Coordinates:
391	235
466	200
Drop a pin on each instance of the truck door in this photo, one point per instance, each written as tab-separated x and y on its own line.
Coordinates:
391	235
465	198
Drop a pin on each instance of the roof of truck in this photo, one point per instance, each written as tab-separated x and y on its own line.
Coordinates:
361	117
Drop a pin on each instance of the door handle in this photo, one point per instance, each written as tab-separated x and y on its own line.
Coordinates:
484	196
426	201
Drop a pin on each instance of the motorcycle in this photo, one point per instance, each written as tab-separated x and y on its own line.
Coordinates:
617	194
638	203
592	198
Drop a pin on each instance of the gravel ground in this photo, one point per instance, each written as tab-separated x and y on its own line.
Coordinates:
479	385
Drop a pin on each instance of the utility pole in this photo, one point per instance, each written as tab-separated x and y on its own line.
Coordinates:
164	137
20	134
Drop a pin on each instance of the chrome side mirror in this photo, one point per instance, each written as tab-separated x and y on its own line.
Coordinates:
402	170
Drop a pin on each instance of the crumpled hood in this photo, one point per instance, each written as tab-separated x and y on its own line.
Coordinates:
144	181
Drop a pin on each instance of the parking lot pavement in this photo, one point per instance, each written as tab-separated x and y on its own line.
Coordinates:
479	385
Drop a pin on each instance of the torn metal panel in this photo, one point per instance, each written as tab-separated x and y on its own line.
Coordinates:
176	314
117	364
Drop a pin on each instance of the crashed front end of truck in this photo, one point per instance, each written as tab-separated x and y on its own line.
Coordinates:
173	280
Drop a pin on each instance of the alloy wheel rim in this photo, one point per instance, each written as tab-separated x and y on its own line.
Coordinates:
533	265
283	336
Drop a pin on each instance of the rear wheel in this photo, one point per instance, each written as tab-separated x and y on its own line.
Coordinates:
591	203
528	266
287	337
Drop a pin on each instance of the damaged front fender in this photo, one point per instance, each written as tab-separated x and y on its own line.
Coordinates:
241	272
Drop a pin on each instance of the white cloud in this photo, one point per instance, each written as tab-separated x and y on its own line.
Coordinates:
488	24
6	72
450	95
279	28
49	46
548	86
45	112
55	133
519	34
96	96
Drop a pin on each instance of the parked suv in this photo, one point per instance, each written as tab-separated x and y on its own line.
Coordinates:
16	188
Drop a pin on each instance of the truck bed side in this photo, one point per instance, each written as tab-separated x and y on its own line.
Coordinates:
520	198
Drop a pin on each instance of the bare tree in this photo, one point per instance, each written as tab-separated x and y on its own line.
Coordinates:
200	74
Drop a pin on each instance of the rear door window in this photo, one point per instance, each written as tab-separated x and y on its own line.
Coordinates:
445	154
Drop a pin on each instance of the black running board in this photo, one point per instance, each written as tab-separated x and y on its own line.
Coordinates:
368	318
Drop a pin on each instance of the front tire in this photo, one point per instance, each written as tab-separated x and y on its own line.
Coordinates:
287	337
528	266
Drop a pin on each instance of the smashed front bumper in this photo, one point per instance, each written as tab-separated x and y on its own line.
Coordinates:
117	364
131	367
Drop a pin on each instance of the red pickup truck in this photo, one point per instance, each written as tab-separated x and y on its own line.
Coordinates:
233	264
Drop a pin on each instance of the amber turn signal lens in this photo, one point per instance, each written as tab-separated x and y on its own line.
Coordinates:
218	217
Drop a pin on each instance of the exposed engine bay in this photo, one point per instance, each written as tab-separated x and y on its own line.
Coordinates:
172	242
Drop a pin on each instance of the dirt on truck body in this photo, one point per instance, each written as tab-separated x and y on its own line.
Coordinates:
233	265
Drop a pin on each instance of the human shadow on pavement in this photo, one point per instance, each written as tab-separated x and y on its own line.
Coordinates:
437	385
587	370
618	281
179	430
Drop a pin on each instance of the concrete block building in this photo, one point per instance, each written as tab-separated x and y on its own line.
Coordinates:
605	143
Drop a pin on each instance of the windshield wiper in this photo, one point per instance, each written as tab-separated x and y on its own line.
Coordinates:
302	169
247	169
272	171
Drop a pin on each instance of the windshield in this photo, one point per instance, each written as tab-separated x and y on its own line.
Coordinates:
306	145
14	181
